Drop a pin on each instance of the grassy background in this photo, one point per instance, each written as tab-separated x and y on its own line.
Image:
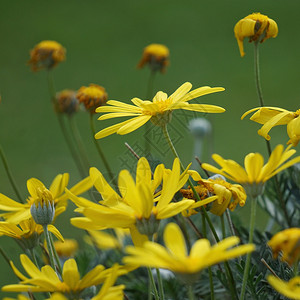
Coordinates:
104	42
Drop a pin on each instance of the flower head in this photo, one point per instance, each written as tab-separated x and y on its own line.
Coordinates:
66	248
156	56
138	206
16	212
255	174
257	27
288	243
228	195
46	55
92	96
175	257
47	280
158	110
274	116
290	289
67	102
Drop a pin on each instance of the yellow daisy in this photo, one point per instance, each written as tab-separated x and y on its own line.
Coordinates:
274	116
16	211
257	27
290	289
286	242
138	206
175	256
255	174
47	280
46	54
156	56
66	248
158	110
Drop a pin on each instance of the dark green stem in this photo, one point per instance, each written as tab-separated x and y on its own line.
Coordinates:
153	284
248	259
10	176
55	254
191	292
160	285
100	152
49	246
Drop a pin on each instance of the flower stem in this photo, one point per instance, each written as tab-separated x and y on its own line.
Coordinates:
248	259
101	154
55	254
49	246
191	292
223	226
10	176
153	284
160	285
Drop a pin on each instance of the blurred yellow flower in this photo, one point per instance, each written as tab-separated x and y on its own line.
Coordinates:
66	248
175	257
156	56
92	96
290	289
67	102
139	205
274	116
227	195
46	55
16	211
158	110
255	174
257	27
47	280
286	242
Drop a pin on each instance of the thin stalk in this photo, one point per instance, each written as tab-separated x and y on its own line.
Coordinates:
32	254
100	152
153	284
6	258
270	269
248	259
191	292
227	213
10	176
55	255
160	285
223	226
49	246
63	129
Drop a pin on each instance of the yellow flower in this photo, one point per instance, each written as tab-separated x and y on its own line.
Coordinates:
156	56
257	27
228	195
46	54
290	289
158	110
66	248
19	297
274	116
288	243
92	96
47	280
27	232
255	174
67	102
16	211
175	257
139	206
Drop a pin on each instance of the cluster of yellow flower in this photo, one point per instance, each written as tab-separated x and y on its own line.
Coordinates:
137	205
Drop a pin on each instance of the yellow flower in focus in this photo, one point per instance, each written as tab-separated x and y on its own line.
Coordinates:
92	96
158	110
175	257
290	289
255	173
139	206
46	55
66	248
156	56
16	211
227	195
274	116
257	27
47	280
288	243
67	102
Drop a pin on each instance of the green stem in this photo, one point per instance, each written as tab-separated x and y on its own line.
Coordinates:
32	254
6	258
191	292
160	285
10	176
223	226
49	246
55	254
100	152
248	259
63	129
227	212
153	284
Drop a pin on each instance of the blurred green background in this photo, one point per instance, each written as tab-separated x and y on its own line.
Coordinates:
104	42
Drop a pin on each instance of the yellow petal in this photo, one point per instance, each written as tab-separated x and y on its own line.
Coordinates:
134	124
204	90
181	92
174	240
70	273
32	185
58	185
